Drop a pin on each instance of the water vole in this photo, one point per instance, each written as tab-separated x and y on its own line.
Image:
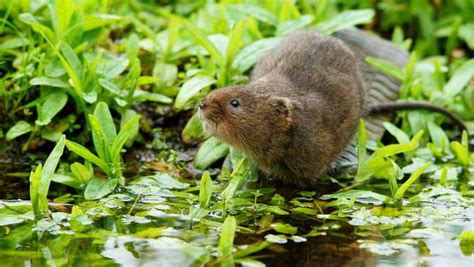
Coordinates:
302	106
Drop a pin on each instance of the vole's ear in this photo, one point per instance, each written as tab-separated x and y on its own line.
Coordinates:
283	107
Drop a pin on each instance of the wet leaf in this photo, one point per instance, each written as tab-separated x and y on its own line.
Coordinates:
277	239
285	228
166	181
10	219
467	242
98	188
361	196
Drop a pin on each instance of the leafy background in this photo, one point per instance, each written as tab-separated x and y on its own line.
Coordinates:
108	90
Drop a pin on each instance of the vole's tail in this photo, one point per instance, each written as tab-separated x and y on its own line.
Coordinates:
396	106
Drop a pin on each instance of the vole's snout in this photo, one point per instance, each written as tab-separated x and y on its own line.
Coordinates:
204	103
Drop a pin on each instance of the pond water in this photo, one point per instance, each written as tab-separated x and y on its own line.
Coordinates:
121	230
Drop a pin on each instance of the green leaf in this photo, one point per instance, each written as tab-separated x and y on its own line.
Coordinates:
54	103
249	55
10	219
13	43
41	179
205	190
193	129
413	177
306	211
53	82
98	138
98	188
460	79
140	96
39	203
240	172
47	33
438	136
63	14
386	66
287	27
235	42
73	66
361	196
87	155
20	128
95	21
106	122
444	176
167	73
466	242
165	180
191	88
393	176
122	138
461	152
257	12
400	135
81	172
226	241
68	180
466	33
50	165
209	152
285	228
111	87
126	117
345	19
361	146
114	67
396	149
202	40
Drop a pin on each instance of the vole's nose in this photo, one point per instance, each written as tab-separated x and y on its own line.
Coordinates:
204	103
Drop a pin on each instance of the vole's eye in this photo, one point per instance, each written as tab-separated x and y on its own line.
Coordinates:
234	103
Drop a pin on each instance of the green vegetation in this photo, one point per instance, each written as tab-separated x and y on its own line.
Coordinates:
108	80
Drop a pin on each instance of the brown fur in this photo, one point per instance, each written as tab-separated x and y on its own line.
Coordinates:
299	111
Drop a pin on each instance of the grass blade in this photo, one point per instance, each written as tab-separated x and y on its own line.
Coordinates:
122	138
202	40
87	155
413	177
205	190
226	241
